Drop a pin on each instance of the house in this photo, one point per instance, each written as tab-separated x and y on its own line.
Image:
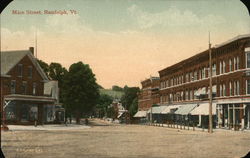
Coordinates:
27	94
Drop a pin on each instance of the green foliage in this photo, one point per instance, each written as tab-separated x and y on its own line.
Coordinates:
134	107
102	106
81	91
117	88
130	93
44	66
113	94
57	72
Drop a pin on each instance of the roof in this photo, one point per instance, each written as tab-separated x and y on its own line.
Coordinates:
156	109
205	52
141	114
170	108
203	109
185	109
9	59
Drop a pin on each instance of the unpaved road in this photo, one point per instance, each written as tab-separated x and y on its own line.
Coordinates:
128	141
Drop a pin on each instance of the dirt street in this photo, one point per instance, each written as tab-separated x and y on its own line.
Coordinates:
128	141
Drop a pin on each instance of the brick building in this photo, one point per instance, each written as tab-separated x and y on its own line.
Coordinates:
148	96
27	95
184	86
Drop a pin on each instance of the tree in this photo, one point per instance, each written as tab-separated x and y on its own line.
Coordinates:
130	93
44	66
134	107
102	106
117	88
57	72
81	91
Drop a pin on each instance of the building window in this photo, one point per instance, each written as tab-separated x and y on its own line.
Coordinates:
230	65
248	86
20	70
203	73
30	71
191	77
224	90
221	90
195	75
24	87
224	67
34	89
238	87
191	94
230	89
187	77
186	95
13	87
213	69
238	63
248	59
220	72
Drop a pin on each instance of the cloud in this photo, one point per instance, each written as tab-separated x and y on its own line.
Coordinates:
67	24
173	17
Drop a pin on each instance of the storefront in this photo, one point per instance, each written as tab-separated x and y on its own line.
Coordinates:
233	116
26	109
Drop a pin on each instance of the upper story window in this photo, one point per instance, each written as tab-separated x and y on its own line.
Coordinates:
24	87
238	62
203	73
187	77
230	65
236	87
248	59
30	71
13	87
248	86
195	75
224	67
20	70
34	89
213	69
230	88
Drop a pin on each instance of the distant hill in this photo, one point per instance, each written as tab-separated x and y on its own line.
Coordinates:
112	93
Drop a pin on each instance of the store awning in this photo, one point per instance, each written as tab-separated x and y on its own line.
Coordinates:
29	98
156	109
185	109
203	109
141	114
170	108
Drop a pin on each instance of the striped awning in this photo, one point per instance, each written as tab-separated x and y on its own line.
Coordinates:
185	109
141	114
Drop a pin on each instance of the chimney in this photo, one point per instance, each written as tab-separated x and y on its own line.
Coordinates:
31	50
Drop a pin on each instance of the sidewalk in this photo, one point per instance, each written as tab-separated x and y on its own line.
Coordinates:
186	128
47	127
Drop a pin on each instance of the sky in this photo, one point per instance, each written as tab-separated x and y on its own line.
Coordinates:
123	41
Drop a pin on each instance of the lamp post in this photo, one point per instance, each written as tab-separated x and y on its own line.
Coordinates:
210	89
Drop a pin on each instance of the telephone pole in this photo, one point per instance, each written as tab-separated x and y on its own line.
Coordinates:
210	90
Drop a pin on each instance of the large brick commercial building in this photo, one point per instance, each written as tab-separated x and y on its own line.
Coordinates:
27	95
186	84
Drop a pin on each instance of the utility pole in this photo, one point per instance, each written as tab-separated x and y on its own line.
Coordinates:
210	89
